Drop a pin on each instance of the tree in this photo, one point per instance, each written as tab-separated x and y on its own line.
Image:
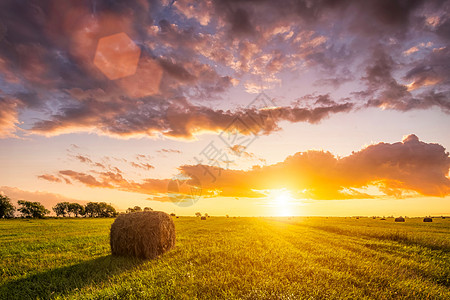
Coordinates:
6	208
106	210
32	209
61	209
206	215
100	210
173	214
135	209
76	209
198	214
148	209
91	209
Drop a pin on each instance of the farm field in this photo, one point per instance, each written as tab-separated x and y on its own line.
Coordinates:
231	258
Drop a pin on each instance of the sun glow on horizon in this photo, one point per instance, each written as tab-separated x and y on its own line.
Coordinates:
283	201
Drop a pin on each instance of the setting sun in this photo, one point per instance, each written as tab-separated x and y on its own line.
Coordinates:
283	202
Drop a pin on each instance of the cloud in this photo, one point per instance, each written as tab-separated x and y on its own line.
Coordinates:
49	177
433	70
9	117
409	167
86	179
199	51
83	159
144	166
169	151
179	119
386	92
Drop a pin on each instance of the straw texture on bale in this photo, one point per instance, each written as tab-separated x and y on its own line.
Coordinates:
142	234
400	219
427	219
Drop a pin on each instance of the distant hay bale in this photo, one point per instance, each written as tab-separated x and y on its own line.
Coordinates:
383	219
427	219
142	234
203	218
400	219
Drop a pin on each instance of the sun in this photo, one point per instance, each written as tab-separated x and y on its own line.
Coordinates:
282	200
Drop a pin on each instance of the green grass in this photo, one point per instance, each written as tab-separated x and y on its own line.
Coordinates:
242	258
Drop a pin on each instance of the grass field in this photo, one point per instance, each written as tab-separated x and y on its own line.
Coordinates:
242	258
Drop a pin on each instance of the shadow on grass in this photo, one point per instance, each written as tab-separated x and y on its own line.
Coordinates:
63	280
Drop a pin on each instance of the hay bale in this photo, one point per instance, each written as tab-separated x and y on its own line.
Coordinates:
142	234
427	219
203	218
400	219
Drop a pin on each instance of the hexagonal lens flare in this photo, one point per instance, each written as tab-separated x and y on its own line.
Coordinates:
117	56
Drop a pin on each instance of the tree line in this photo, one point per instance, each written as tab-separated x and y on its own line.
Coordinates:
137	209
91	209
29	209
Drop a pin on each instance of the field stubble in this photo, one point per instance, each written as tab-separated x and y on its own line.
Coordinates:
227	258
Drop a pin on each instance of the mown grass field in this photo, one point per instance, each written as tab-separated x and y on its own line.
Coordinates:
242	258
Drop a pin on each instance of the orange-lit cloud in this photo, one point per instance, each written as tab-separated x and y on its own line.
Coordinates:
51	178
9	118
397	169
179	119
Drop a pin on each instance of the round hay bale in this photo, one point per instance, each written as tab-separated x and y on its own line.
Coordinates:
427	219
142	234
400	219
203	218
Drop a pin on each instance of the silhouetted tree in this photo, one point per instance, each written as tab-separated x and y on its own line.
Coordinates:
173	214
135	209
206	215
6	208
61	208
99	210
106	210
76	209
148	209
198	214
32	209
91	209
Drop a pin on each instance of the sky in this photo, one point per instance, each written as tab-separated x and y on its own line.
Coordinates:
246	108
